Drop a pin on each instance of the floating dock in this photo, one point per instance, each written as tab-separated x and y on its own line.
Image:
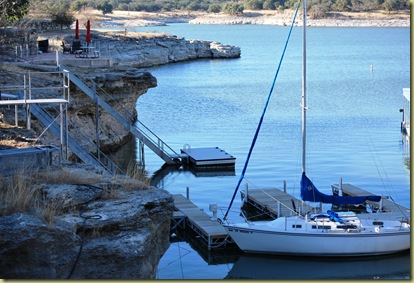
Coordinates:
207	157
208	229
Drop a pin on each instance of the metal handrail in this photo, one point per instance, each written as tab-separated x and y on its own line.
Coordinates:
158	141
85	138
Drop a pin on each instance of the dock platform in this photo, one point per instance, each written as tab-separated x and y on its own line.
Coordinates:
388	206
273	202
207	157
188	214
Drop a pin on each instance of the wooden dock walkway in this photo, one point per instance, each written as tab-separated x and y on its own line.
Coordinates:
387	205
274	202
188	214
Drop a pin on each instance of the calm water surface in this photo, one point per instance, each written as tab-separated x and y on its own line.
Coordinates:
353	128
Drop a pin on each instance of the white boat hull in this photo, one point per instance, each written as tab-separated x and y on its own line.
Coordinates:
259	238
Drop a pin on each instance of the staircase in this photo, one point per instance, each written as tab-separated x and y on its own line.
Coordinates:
140	131
74	145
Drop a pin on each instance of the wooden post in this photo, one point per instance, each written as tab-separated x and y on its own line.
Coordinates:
15	116
278	209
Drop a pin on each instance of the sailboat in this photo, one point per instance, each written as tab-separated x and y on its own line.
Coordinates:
333	233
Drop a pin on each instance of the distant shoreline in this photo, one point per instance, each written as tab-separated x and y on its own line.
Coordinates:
125	19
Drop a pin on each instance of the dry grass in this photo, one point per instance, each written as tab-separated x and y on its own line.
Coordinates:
16	194
136	173
47	210
21	192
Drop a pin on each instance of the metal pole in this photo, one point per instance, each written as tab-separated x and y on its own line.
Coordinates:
66	112
27	105
61	125
188	193
96	118
66	132
142	153
304	106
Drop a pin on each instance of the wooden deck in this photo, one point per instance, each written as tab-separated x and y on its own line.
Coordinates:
188	214
387	205
274	202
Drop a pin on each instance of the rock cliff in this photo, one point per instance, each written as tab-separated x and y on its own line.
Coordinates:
123	86
108	228
150	49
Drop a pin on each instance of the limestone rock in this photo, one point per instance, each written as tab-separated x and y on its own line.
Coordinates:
149	50
121	237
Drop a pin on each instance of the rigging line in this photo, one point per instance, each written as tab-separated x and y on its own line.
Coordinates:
373	151
264	111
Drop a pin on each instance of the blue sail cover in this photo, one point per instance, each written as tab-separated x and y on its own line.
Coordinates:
309	192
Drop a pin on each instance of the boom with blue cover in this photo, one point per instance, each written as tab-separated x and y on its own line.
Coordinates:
309	192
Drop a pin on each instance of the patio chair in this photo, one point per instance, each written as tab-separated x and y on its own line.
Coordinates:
76	46
66	47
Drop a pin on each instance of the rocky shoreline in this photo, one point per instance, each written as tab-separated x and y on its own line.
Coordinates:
92	227
126	20
129	225
285	19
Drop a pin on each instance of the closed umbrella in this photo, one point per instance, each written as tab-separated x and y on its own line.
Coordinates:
77	30
88	32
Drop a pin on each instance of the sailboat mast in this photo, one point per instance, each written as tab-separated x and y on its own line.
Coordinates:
304	106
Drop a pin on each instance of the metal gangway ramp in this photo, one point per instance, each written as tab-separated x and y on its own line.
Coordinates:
140	131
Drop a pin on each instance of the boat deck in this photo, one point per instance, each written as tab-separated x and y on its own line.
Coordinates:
188	214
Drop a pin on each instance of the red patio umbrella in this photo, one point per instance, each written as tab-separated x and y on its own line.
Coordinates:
77	30
88	32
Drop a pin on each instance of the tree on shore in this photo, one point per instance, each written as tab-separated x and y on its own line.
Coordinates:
12	11
60	13
233	9
105	7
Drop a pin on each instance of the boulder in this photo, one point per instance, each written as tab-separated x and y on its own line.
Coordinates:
113	229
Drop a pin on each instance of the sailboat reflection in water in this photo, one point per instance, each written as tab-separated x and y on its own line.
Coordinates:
250	266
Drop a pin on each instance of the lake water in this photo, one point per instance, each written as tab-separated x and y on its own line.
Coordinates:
353	129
